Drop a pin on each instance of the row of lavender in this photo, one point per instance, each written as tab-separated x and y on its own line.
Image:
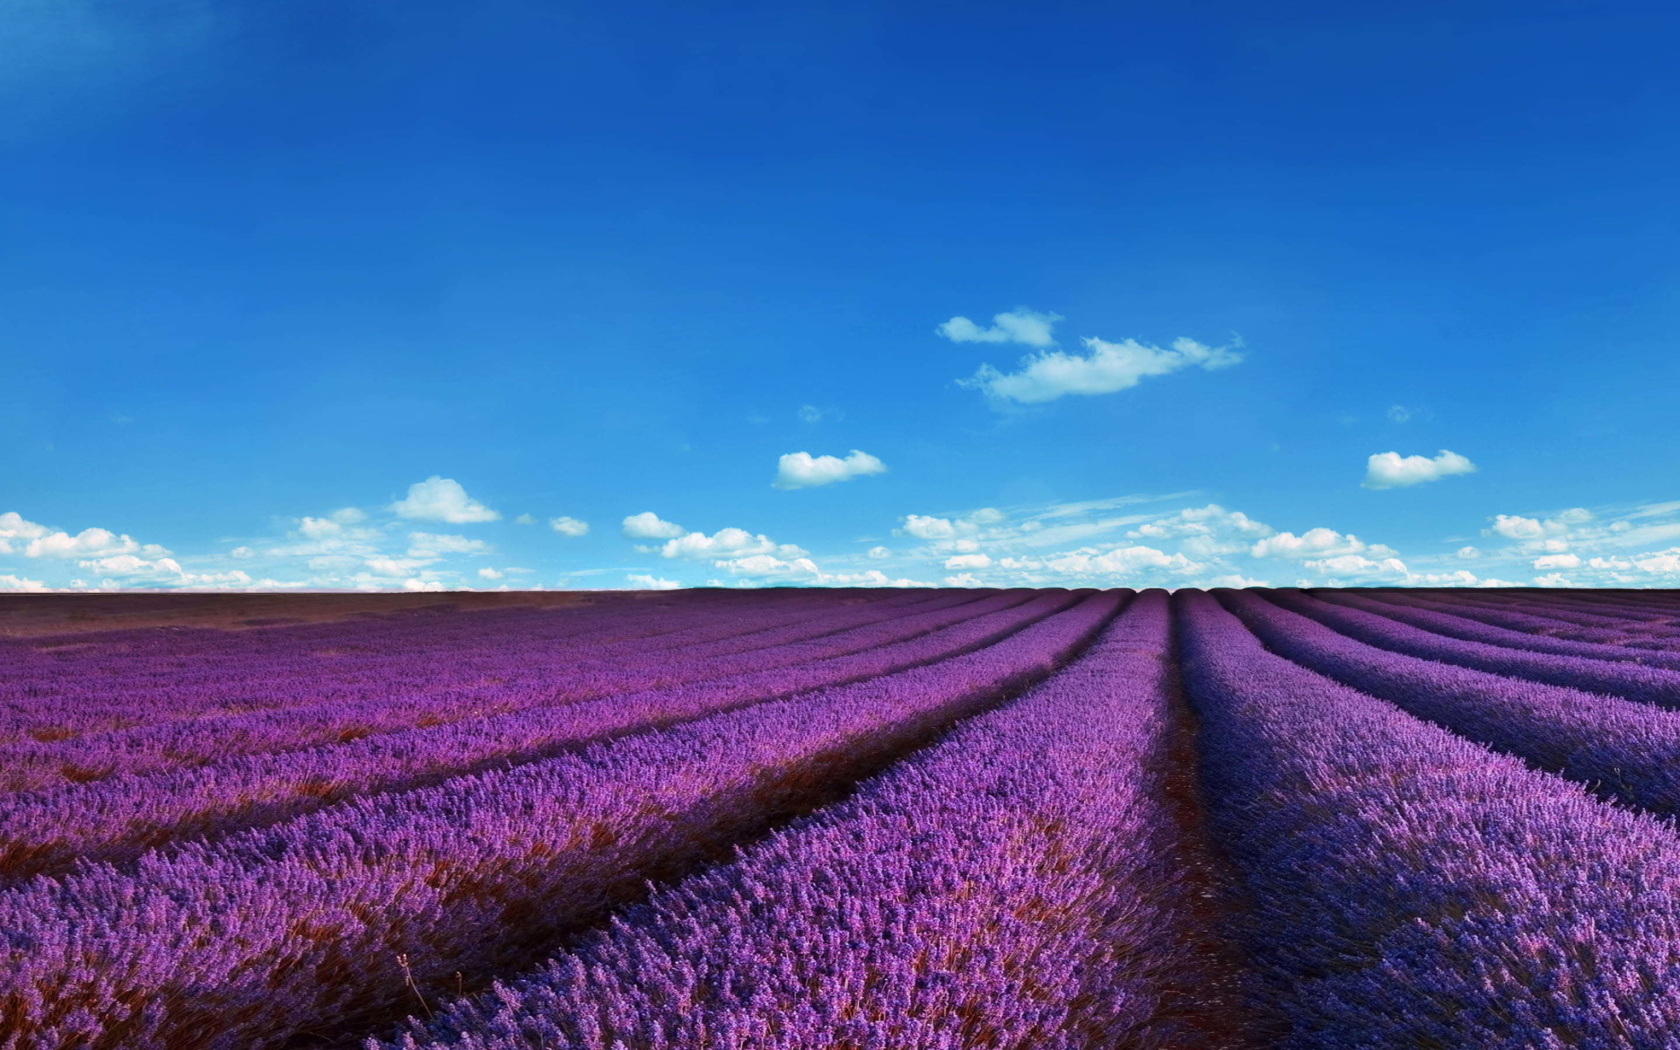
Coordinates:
1350	828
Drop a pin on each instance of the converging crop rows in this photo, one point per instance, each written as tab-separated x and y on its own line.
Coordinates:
860	819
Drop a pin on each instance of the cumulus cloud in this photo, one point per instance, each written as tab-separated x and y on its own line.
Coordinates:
647	582
569	526
769	565
1558	561
798	470
1390	470
394	567
1315	543
1019	325
649	526
525	519
968	561
17	584
33	540
1104	369
442	499
1119	562
1357	565
878	553
727	543
488	573
431	545
926	527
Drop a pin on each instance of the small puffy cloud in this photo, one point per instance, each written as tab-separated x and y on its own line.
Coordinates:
525	519
394	567
649	526
925	527
1557	561
1019	325
1120	561
319	528
1517	527
987	516
798	470
769	565
89	543
1390	470
968	561
877	553
1319	542
130	565
646	582
242	553
442	499
13	526
965	579
569	526
1356	565
19	585
417	584
727	543
489	574
430	545
1469	553
1104	369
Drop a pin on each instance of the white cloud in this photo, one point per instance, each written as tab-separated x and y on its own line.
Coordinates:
649	526
645	582
394	567
489	574
13	526
1105	369
129	565
1516	527
877	553
1121	561
89	543
1319	542
798	470
968	561
241	552
442	499
769	565
569	526
1020	325
1558	561
430	545
319	528
925	527
525	519
417	584
1390	470
1357	565
965	579
727	543
1469	553
15	584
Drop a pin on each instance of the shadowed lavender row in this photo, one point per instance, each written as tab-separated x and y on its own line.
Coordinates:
1408	888
172	745
1622	749
331	920
117	820
1650	685
1020	887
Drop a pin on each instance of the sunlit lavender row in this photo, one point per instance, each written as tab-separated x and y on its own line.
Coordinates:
882	819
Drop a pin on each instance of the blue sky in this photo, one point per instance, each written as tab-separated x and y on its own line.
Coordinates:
367	294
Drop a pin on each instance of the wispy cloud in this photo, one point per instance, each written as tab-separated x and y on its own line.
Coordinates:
1019	325
1104	368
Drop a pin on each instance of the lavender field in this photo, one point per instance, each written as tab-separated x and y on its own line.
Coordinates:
861	819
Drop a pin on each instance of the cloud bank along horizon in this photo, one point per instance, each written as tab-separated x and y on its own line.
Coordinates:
1131	540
